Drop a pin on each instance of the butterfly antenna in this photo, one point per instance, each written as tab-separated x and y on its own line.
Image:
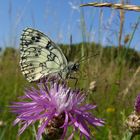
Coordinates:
83	58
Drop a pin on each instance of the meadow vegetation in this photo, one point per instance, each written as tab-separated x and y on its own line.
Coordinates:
115	72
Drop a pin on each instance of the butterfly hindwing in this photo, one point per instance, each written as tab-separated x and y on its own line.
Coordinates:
39	55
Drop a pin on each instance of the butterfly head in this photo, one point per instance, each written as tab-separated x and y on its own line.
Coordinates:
73	66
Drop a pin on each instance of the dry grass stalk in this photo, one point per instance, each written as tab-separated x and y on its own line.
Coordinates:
125	91
115	6
121	23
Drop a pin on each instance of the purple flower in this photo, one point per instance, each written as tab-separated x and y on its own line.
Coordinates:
55	106
137	104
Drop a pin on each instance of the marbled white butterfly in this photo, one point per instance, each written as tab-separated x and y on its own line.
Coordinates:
40	57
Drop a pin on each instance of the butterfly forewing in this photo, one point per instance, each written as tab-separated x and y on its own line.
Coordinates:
39	55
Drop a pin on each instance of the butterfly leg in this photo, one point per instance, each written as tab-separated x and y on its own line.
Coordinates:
76	80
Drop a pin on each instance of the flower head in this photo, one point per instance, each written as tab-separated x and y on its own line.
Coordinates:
137	104
56	106
133	120
133	123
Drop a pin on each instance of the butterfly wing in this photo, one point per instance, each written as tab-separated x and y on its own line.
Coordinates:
40	56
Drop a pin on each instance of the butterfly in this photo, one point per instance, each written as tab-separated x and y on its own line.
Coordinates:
40	57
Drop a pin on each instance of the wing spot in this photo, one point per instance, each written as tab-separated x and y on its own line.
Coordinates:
26	76
21	49
23	57
36	54
48	45
33	77
37	40
27	43
38	37
33	38
32	70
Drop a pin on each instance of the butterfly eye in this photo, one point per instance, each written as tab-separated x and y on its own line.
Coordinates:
75	67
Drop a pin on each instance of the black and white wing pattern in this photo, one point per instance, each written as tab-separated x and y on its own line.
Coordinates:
39	56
